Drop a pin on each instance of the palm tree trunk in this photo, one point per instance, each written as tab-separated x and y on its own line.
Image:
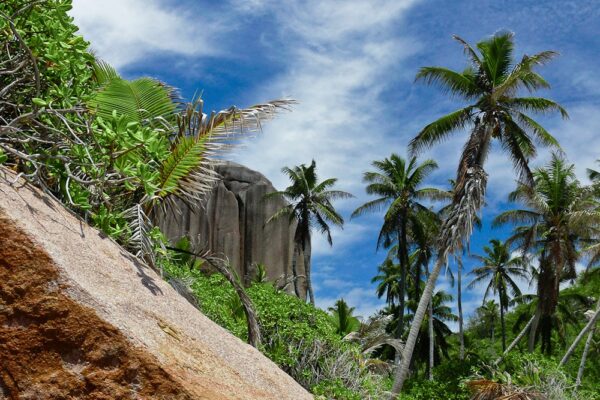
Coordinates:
461	332
514	342
430	331
431	340
589	326
534	328
586	350
502	326
295	268
306	248
468	200
402	257
402	371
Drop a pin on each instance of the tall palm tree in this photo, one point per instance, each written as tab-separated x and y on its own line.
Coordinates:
499	269
343	319
397	183
491	84
558	218
309	206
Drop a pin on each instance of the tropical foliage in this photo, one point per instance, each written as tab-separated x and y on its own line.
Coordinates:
491	83
116	151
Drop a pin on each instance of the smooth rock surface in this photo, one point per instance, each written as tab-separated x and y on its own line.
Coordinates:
80	319
231	222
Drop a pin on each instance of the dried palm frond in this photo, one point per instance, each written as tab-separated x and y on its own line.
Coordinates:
140	242
484	389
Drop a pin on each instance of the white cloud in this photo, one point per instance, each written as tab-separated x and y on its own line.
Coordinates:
339	56
126	32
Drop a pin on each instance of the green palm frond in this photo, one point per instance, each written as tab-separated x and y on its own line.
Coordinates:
104	72
456	83
535	104
144	100
439	130
186	171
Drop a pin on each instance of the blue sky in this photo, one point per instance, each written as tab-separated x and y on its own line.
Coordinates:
351	65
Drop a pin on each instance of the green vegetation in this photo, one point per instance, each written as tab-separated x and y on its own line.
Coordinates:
113	151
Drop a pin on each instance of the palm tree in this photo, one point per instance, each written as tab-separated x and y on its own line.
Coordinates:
388	281
343	319
570	310
488	312
309	206
499	268
491	84
442	314
593	249
397	185
559	217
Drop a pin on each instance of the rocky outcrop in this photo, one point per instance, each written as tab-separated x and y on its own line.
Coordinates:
81	319
231	222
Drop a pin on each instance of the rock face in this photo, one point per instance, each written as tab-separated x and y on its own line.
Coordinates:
80	319
231	222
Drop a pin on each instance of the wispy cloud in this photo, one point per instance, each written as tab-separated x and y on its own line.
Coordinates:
127	32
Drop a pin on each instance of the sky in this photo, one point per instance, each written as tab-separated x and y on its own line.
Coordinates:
351	65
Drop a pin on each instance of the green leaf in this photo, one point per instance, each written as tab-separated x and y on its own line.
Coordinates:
39	102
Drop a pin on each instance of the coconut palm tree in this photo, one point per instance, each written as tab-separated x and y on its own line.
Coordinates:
343	319
397	183
488	313
309	206
442	314
499	269
491	83
558	218
570	308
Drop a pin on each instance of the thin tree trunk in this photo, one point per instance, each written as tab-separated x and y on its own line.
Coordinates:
589	326
461	332
402	250
430	332
502	326
306	250
431	341
534	328
516	341
586	350
251	318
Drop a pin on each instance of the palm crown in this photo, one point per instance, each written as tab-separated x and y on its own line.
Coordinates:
491	83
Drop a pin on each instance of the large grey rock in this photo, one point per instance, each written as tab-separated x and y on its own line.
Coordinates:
231	222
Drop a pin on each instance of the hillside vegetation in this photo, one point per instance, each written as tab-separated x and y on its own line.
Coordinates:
113	151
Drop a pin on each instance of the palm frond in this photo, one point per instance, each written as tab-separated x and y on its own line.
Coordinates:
439	130
450	81
145	101
140	243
